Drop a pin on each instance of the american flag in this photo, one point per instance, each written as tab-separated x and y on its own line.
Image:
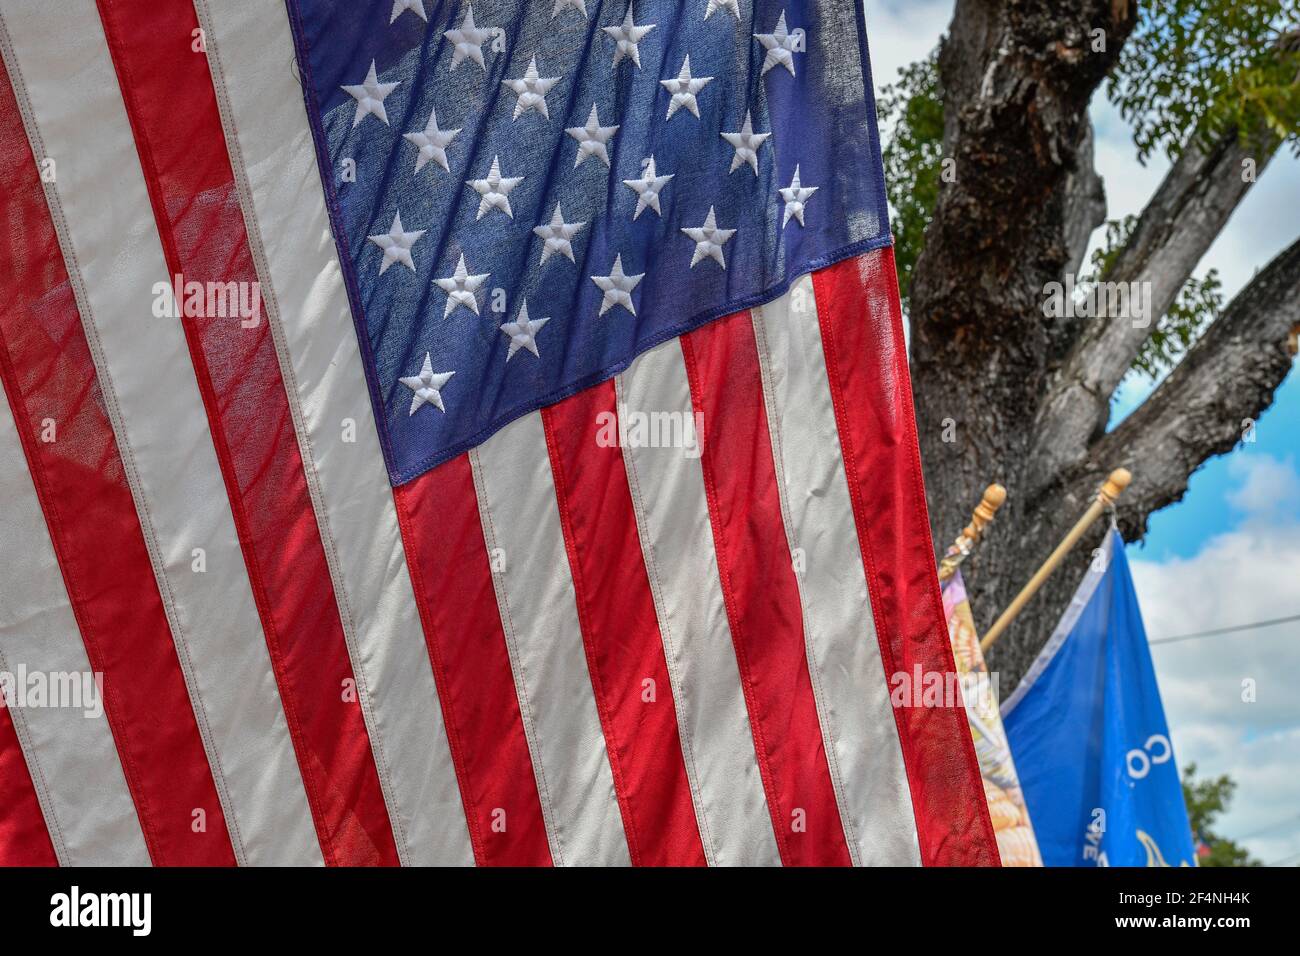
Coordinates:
457	433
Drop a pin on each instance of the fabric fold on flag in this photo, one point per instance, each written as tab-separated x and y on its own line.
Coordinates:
461	433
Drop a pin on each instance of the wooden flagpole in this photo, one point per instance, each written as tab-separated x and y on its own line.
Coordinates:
980	518
1119	480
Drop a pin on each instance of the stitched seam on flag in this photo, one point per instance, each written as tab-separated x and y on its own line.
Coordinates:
53	517
860	519
931	855
434	645
399	476
516	667
125	450
873	124
337	232
221	445
938	624
43	797
306	447
584	617
665	633
776	807
829	739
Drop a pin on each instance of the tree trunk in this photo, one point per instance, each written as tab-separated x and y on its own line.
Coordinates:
1017	80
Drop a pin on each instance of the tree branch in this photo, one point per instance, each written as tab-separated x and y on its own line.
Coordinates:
1085	212
1176	229
1085	201
1200	410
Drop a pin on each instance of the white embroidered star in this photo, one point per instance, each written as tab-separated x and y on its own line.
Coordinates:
460	288
709	240
531	90
684	89
592	138
796	196
522	332
427	386
617	287
495	190
558	236
780	46
626	37
579	5
746	144
369	95
432	143
468	40
396	244
722	4
415	6
647	188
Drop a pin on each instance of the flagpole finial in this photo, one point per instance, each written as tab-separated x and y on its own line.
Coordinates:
985	511
1109	492
1116	482
981	517
994	496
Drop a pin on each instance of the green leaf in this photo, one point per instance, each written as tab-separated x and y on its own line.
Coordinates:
912	108
1195	69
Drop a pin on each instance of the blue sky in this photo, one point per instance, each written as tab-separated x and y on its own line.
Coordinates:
1182	529
1229	552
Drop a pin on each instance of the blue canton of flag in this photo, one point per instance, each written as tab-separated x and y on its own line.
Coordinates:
528	195
1089	735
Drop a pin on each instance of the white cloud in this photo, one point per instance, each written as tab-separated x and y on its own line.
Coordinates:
1246	575
1270	489
900	33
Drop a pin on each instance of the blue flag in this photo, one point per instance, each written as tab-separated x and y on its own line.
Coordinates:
1089	736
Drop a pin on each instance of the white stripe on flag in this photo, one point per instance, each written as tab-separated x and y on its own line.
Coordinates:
114	257
251	52
849	680
677	540
71	756
539	614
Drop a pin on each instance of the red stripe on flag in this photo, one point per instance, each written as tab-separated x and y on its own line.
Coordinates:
760	590
621	632
452	577
862	335
24	839
169	97
50	379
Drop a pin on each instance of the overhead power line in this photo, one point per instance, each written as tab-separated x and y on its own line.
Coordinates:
1272	826
1226	630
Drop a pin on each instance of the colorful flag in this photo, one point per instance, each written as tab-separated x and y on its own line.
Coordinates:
460	433
1007	810
1089	734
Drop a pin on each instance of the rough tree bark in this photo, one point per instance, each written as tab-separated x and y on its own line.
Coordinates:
1004	393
